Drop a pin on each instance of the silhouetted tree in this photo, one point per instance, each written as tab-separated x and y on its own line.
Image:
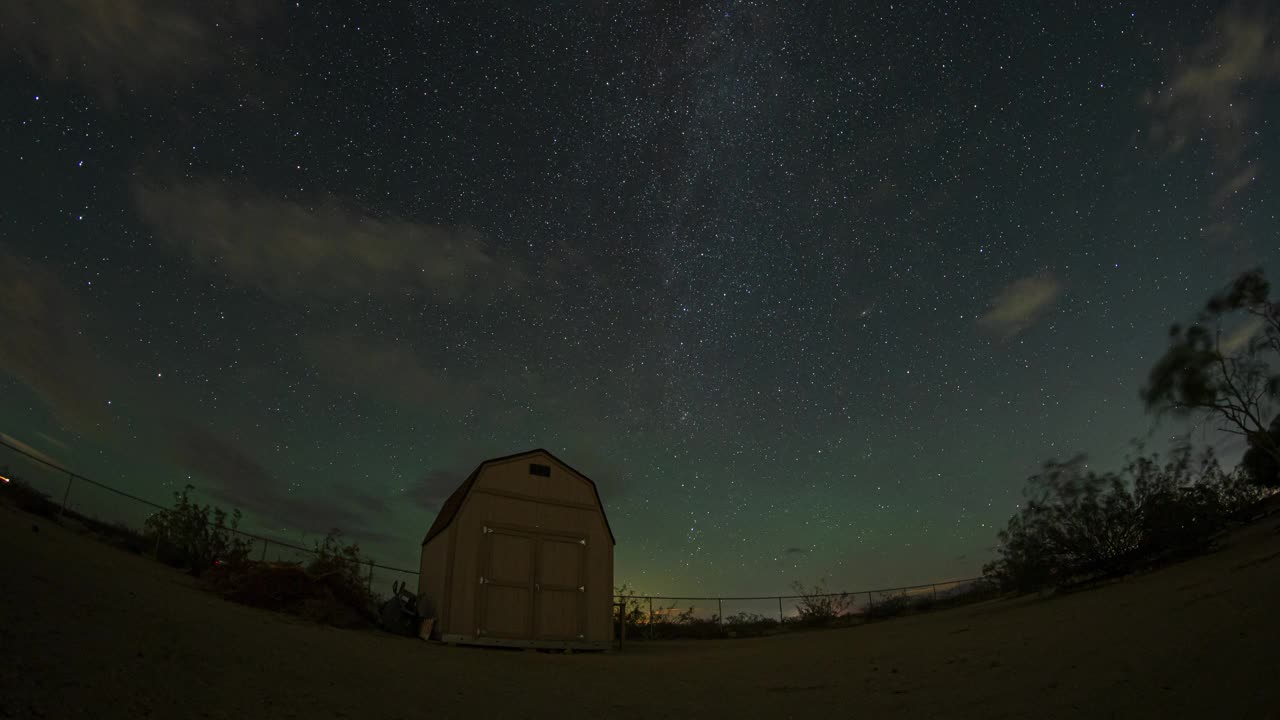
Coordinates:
1078	524
1236	380
1075	522
1258	464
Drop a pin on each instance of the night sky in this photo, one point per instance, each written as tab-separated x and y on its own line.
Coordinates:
809	289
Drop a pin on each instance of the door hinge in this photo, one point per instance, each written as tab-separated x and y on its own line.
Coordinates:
583	541
486	529
582	588
482	580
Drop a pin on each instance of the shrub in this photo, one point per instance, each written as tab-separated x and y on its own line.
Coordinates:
816	606
27	498
340	567
889	605
330	589
1080	525
196	537
635	612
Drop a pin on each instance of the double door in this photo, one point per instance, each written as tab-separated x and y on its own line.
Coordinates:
532	585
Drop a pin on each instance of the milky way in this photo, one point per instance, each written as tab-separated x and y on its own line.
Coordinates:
809	289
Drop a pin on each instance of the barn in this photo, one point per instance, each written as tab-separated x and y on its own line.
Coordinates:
521	554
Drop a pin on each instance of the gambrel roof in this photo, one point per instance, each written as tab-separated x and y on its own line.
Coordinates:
449	510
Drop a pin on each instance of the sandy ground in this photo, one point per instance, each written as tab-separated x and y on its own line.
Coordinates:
89	631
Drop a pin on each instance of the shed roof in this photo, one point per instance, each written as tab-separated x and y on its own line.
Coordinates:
449	510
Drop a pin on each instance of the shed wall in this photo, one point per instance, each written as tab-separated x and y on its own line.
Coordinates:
506	494
432	571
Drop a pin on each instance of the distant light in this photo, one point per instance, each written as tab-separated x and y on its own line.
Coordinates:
5	478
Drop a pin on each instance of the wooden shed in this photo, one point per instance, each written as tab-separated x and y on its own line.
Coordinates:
521	554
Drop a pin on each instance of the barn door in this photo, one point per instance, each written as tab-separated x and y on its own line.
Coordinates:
559	591
507	585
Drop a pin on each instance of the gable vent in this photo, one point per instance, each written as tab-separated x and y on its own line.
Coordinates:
543	470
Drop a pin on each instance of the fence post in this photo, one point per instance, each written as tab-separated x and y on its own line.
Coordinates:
622	622
871	602
265	543
371	577
935	593
650	618
720	610
66	494
779	610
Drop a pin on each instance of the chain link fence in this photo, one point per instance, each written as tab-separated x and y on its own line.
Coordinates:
651	617
109	509
114	511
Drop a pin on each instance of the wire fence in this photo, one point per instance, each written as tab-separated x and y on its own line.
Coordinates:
664	616
648	616
81	496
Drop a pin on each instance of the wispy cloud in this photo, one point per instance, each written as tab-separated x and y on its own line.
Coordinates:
52	440
1020	305
1234	185
33	451
1208	94
45	345
237	478
434	488
127	45
1240	337
298	250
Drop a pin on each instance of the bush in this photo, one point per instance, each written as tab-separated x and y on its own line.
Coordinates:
817	606
1079	525
27	498
887	606
196	537
635	612
748	618
330	589
289	588
340	567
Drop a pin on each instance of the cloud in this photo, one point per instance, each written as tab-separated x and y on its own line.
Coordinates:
1239	339
114	45
239	479
324	249
1019	305
1234	185
34	452
45	345
52	440
1206	95
431	491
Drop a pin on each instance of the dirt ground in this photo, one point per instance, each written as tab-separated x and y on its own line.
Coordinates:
89	631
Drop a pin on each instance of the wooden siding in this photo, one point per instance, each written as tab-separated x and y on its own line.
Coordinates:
571	548
432	573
